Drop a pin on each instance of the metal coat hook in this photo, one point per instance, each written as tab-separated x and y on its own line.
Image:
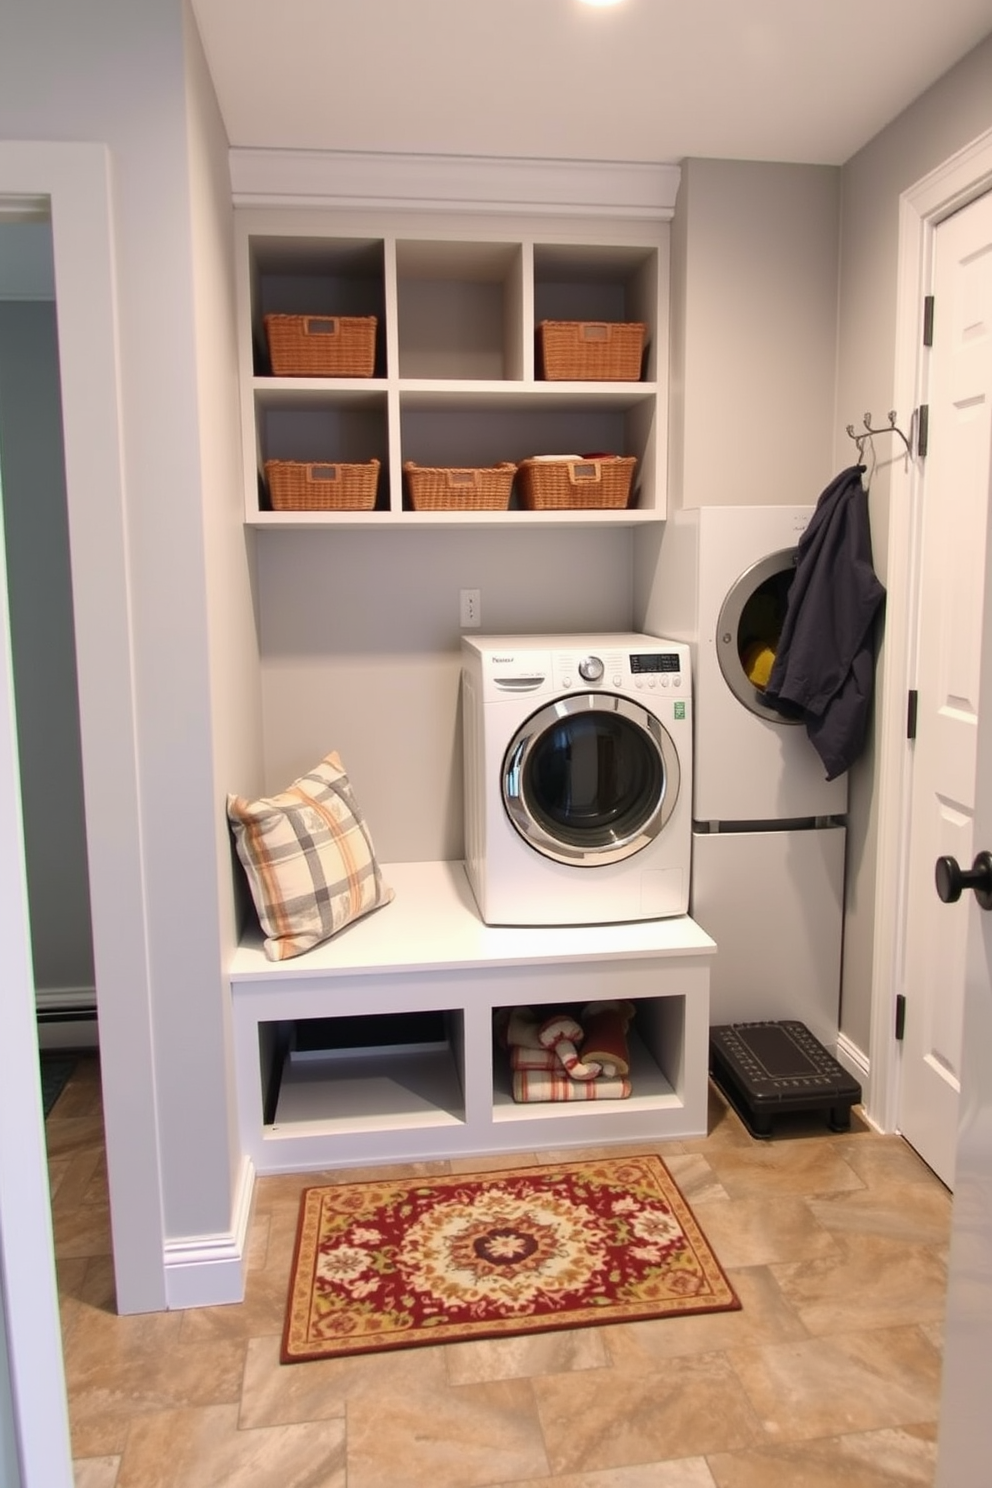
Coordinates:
861	439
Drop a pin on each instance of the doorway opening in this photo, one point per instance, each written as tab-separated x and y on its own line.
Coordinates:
42	635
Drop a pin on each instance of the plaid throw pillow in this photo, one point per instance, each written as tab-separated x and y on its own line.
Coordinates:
309	859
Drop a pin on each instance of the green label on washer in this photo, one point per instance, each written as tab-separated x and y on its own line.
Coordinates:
680	710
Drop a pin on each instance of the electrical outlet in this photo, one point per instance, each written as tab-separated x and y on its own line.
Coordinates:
470	608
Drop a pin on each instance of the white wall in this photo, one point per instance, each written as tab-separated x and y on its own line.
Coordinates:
948	116
116	72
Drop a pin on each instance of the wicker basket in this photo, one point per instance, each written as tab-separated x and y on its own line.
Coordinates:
450	489
575	485
591	350
321	345
321	487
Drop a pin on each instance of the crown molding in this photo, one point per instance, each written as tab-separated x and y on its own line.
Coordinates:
293	178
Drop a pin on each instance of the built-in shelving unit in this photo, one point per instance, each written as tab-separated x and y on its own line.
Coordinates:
443	1087
456	379
456	382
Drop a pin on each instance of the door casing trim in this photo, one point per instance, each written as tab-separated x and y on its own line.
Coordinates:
959	180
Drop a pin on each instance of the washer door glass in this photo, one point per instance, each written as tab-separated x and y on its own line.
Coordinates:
590	779
749	627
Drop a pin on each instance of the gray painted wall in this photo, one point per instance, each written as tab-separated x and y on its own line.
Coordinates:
230	639
359	629
361	653
952	113
753	349
41	623
755	263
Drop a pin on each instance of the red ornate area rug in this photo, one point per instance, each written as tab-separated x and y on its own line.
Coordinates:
392	1264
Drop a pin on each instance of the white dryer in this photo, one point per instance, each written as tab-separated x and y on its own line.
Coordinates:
721	585
578	777
769	831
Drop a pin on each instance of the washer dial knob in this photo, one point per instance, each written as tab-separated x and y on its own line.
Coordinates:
591	669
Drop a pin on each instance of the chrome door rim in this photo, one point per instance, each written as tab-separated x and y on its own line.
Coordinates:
522	745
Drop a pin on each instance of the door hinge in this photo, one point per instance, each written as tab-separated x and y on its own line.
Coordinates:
923	428
900	1015
928	320
912	705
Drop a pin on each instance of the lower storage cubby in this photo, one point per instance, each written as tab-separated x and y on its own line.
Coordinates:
379	1046
370	1072
655	1054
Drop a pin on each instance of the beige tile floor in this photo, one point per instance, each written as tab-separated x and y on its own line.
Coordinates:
830	1373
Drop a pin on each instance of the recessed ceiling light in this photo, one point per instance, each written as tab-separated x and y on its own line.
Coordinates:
601	2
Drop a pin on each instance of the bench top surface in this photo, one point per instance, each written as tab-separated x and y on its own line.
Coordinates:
433	922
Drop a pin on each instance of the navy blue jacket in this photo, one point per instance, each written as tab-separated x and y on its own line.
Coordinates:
824	668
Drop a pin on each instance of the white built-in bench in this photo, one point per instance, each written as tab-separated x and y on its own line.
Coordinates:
429	953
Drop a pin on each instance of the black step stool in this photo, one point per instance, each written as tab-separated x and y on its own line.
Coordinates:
768	1069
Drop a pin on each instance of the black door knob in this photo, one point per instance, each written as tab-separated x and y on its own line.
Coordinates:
952	879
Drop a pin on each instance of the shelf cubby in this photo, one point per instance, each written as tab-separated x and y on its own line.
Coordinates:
382	1072
459	310
315	276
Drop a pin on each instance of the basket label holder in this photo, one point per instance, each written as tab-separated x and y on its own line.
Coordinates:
321	325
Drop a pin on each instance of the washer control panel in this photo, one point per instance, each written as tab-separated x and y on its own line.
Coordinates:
654	669
540	666
619	671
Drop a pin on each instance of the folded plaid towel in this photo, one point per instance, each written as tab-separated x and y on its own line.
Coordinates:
534	1059
552	1085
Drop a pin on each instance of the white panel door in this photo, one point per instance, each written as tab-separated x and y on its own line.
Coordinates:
965	1440
949	652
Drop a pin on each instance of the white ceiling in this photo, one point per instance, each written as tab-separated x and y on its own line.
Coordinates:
647	80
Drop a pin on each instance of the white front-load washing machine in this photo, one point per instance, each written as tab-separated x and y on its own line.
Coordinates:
578	777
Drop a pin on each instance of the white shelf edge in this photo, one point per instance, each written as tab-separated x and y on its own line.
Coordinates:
465	388
272	391
346	1126
568	1110
601	517
462	388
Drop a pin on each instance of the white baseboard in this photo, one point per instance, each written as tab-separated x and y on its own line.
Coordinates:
75	1034
209	1270
66	1018
853	1059
51	1002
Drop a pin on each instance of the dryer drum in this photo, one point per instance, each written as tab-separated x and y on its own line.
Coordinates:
590	779
748	629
